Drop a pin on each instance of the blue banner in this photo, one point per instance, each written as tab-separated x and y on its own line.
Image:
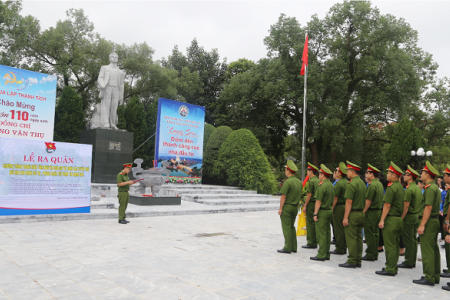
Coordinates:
179	137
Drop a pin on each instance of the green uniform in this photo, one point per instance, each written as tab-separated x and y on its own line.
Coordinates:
393	224
431	257
292	189
123	194
338	215
447	245
311	238
324	194
356	191
413	195
375	193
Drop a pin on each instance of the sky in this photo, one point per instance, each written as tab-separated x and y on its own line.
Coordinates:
236	28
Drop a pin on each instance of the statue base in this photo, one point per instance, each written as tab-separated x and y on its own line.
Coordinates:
111	149
163	200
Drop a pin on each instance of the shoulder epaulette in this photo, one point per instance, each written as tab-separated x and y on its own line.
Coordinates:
407	186
321	183
370	182
427	185
390	183
349	181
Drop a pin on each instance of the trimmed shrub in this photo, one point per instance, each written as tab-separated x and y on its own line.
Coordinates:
211	153
242	162
69	117
207	134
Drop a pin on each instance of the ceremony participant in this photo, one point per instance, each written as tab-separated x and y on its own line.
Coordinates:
339	208
123	183
429	227
354	216
312	171
374	205
391	220
447	242
411	206
323	213
289	201
446	211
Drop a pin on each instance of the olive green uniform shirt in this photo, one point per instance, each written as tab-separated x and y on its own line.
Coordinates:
375	193
413	195
325	194
313	183
432	197
356	191
339	190
292	189
395	196
122	177
446	203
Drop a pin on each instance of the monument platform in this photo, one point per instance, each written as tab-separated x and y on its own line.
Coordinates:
162	200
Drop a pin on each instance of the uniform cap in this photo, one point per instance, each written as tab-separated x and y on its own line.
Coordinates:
393	167
430	169
291	166
128	165
413	172
353	166
447	169
342	168
325	170
372	169
312	167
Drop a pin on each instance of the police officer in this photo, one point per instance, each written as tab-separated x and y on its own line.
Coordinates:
391	220
312	171
323	213
339	208
413	197
374	205
290	199
429	227
447	241
354	216
123	183
446	211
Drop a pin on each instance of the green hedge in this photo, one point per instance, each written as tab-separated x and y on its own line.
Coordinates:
211	153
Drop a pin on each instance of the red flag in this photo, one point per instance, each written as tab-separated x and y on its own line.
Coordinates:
305	181
304	57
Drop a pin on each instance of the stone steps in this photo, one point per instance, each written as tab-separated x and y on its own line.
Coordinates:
174	192
101	205
248	201
196	197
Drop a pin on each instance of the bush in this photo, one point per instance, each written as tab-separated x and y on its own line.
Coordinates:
207	134
242	162
211	153
69	117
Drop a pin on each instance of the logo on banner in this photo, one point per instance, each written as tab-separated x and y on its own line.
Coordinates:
183	111
50	147
16	79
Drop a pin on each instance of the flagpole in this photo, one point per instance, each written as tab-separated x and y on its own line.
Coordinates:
304	122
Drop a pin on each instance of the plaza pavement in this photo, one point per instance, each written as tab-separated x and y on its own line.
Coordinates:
208	256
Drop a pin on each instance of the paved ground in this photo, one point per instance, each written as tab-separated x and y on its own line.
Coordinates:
216	256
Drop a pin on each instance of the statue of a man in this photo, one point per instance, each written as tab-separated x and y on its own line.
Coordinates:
111	84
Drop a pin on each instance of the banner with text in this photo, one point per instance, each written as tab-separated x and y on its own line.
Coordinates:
38	177
179	137
27	104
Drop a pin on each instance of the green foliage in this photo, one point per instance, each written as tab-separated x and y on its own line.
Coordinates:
406	137
440	157
211	153
242	162
207	134
151	118
69	117
240	66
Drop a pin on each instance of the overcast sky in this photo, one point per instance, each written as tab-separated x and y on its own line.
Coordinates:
235	28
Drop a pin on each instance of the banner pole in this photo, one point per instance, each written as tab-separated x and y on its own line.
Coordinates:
304	122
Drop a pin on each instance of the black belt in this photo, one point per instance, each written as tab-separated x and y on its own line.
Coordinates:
123	191
375	209
357	210
394	216
409	213
339	204
325	208
431	216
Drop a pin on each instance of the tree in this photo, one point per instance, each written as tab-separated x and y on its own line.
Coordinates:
240	66
69	117
211	153
207	134
242	162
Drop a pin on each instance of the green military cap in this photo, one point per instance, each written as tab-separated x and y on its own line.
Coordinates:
353	166
447	169
413	172
372	169
325	170
128	165
312	167
291	166
394	168
430	169
342	168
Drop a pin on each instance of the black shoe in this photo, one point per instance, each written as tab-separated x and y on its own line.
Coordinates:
337	253
127	221
346	265
445	270
423	281
379	251
384	273
282	251
445	275
402	265
446	287
123	222
437	282
316	258
294	251
333	242
358	265
384	269
402	254
448	283
368	259
364	241
309	247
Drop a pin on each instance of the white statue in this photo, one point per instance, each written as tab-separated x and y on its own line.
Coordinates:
111	85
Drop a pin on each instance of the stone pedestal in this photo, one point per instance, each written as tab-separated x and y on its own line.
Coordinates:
164	200
111	149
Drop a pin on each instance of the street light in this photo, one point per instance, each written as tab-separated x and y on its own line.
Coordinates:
420	154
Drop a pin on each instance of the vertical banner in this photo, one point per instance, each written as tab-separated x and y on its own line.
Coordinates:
179	139
27	104
38	177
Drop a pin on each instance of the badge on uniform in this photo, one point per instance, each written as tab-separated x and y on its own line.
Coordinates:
427	185
390	183
349	181
407	186
320	182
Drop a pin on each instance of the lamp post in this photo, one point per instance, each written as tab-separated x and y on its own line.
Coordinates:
420	155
